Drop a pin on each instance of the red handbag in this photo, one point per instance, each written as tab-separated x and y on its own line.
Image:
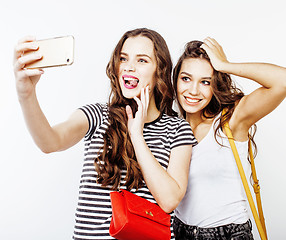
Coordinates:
134	217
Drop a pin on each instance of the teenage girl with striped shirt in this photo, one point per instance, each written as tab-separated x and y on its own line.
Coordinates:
134	141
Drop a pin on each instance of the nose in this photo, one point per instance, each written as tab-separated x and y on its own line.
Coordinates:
129	67
194	88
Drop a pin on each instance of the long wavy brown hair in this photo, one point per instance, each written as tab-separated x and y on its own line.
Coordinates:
118	152
225	93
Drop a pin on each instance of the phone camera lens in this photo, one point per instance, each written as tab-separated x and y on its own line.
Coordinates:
68	60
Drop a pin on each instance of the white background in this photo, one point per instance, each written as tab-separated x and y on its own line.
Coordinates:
39	191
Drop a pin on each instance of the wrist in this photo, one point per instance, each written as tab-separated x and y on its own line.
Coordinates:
136	138
26	98
225	67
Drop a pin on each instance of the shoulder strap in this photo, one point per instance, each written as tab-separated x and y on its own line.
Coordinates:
260	222
256	187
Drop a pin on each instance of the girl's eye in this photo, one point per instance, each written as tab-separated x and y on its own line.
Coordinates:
123	59
142	60
186	79
205	82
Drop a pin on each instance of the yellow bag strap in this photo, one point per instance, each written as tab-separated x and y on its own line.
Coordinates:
256	187
259	220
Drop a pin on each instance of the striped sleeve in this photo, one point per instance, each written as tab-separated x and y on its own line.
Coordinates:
94	114
183	135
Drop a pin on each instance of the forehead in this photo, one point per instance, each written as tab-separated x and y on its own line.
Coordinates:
138	45
197	66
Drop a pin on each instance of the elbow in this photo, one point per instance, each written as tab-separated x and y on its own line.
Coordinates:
169	205
168	208
49	147
170	202
284	88
280	91
46	150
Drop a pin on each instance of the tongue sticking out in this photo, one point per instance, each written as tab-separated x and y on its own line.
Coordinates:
131	82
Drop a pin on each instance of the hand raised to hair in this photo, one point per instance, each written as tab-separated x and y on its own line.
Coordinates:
215	53
136	124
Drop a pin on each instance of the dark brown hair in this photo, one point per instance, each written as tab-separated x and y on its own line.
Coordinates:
118	152
225	93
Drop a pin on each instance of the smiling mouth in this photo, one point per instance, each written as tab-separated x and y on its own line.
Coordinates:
130	82
192	100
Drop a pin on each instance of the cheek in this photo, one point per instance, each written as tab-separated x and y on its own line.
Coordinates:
180	94
208	94
152	80
120	68
180	89
151	71
180	100
153	74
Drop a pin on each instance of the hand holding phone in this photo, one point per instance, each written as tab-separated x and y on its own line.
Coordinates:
55	52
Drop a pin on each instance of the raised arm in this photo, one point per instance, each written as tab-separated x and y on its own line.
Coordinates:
260	102
48	139
167	187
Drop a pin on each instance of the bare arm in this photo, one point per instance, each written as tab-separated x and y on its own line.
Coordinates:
167	187
47	138
53	138
260	102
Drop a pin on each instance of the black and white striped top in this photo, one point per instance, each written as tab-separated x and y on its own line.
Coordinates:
94	212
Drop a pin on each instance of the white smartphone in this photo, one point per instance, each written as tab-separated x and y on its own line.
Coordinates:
56	52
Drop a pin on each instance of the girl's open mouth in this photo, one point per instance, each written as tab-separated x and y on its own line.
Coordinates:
130	82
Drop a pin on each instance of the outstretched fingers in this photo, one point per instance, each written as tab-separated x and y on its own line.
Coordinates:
147	90
139	105
145	99
142	105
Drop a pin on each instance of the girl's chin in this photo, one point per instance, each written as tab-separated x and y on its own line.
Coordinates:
192	108
131	96
131	93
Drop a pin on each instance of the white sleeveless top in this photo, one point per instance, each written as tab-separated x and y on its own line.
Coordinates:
215	195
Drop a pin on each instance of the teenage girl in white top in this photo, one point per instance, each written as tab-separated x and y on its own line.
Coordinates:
214	206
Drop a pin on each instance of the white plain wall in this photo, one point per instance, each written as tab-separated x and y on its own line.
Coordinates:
38	191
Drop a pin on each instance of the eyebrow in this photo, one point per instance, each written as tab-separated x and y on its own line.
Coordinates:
190	75
138	55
